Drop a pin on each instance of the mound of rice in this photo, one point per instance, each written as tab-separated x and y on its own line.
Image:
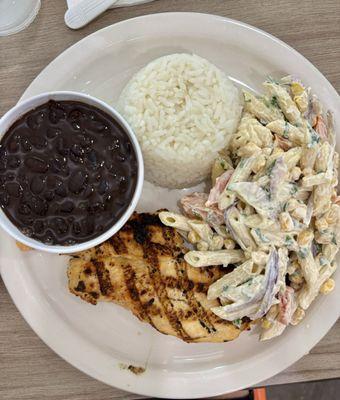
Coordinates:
183	110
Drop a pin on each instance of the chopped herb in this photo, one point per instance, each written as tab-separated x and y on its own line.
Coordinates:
286	130
267	191
293	189
237	322
314	137
317	247
224	288
261	235
323	261
270	168
248	281
302	253
274	102
334	239
297	224
222	163
247	100
196	214
288	240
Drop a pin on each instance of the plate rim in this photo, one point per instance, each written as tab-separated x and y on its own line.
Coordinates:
135	386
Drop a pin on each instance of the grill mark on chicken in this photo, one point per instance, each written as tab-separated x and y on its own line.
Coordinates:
80	287
193	303
118	244
142	269
185	284
103	277
140	226
160	287
130	279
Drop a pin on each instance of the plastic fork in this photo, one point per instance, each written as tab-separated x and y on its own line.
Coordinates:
85	11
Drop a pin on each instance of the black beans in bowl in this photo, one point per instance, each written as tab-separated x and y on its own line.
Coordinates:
68	172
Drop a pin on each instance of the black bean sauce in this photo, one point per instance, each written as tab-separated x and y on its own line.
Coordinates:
68	172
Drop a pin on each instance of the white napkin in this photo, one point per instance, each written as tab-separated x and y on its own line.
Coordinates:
120	3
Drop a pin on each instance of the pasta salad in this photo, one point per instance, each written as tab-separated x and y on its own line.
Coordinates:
273	211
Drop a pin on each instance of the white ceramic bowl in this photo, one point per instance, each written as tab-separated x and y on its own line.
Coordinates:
23	107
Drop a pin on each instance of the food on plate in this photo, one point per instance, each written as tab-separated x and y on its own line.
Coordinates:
142	269
183	110
273	211
68	171
23	247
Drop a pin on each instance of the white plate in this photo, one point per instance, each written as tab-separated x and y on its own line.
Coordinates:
97	339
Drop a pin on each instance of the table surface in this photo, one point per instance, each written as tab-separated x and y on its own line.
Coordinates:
28	368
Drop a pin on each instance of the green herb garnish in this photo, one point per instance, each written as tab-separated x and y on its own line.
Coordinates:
274	102
288	240
293	189
270	168
237	322
323	261
286	130
334	239
302	253
261	235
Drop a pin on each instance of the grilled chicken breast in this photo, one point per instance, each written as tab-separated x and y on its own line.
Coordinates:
142	269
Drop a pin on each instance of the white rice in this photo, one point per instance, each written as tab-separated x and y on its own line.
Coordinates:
183	110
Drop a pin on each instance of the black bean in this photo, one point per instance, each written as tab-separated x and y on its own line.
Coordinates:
56	114
27	231
75	115
60	225
13	146
58	164
13	189
67	207
96	207
4	199
49	195
76	228
53	132
39	206
61	190
25	145
13	162
24	209
37	184
52	181
62	146
98	126
103	186
78	181
38	142
38	226
36	164
88	225
77	150
34	121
